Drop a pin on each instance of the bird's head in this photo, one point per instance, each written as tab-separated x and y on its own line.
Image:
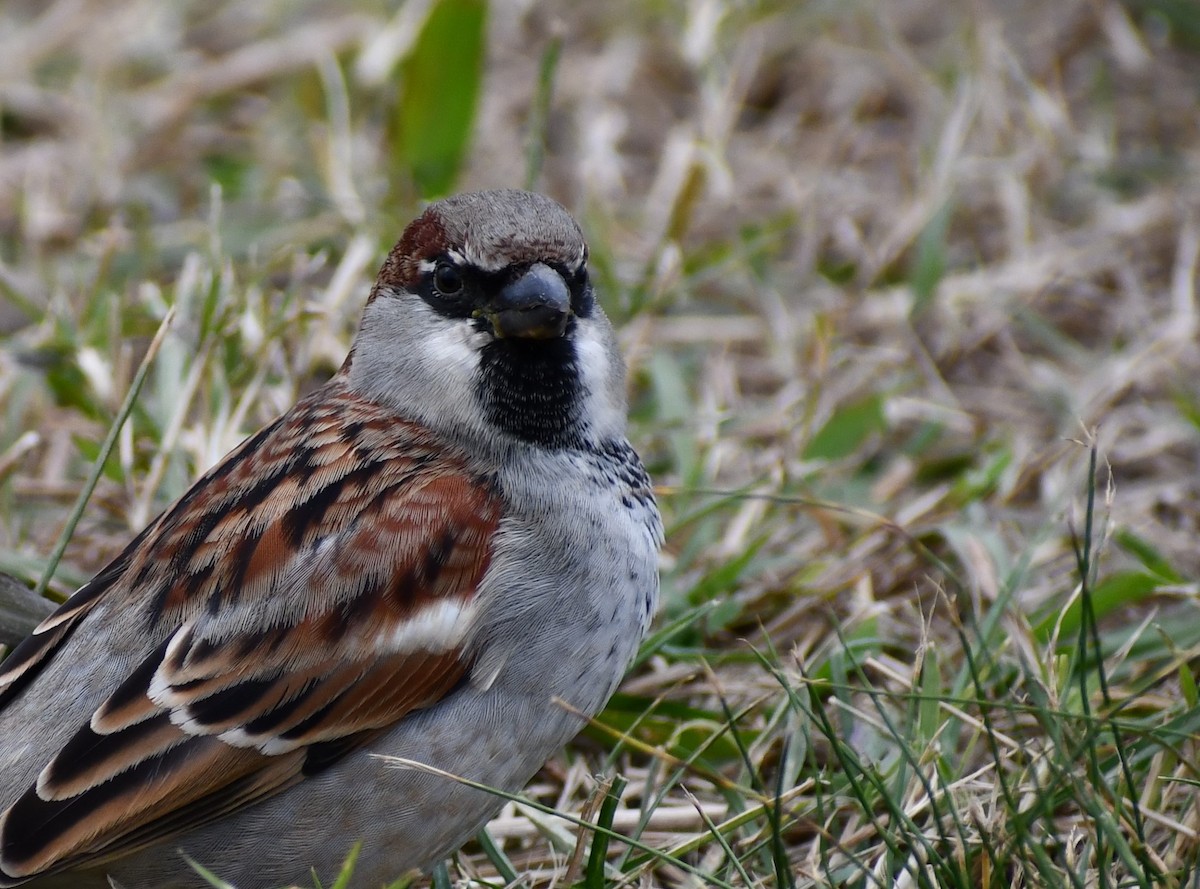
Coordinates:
483	324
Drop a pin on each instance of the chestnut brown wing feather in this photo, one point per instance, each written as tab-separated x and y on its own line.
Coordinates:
308	593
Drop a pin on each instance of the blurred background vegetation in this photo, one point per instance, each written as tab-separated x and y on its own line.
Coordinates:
889	276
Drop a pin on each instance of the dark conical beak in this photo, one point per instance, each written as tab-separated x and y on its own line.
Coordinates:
535	306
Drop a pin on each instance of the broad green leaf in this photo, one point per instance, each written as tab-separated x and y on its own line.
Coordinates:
847	429
929	709
441	82
929	259
1146	553
1125	588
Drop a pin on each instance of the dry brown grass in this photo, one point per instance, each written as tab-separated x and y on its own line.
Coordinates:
886	270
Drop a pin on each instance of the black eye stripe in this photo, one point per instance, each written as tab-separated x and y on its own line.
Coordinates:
583	297
459	291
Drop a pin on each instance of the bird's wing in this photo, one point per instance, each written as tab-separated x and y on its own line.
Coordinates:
310	591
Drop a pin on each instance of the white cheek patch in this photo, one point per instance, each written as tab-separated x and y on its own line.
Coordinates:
604	405
454	347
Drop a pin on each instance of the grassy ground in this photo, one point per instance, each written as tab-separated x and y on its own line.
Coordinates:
909	295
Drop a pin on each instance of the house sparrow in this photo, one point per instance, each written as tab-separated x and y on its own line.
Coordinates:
416	560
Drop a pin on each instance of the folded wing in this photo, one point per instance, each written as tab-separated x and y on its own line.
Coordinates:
308	593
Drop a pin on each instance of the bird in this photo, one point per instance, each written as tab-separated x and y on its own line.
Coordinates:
447	554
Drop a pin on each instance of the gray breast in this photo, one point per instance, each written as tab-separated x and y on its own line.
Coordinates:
575	582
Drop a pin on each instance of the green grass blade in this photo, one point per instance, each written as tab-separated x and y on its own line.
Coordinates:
110	440
593	877
539	112
496	856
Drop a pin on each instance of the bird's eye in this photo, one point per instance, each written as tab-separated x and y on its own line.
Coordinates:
447	279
